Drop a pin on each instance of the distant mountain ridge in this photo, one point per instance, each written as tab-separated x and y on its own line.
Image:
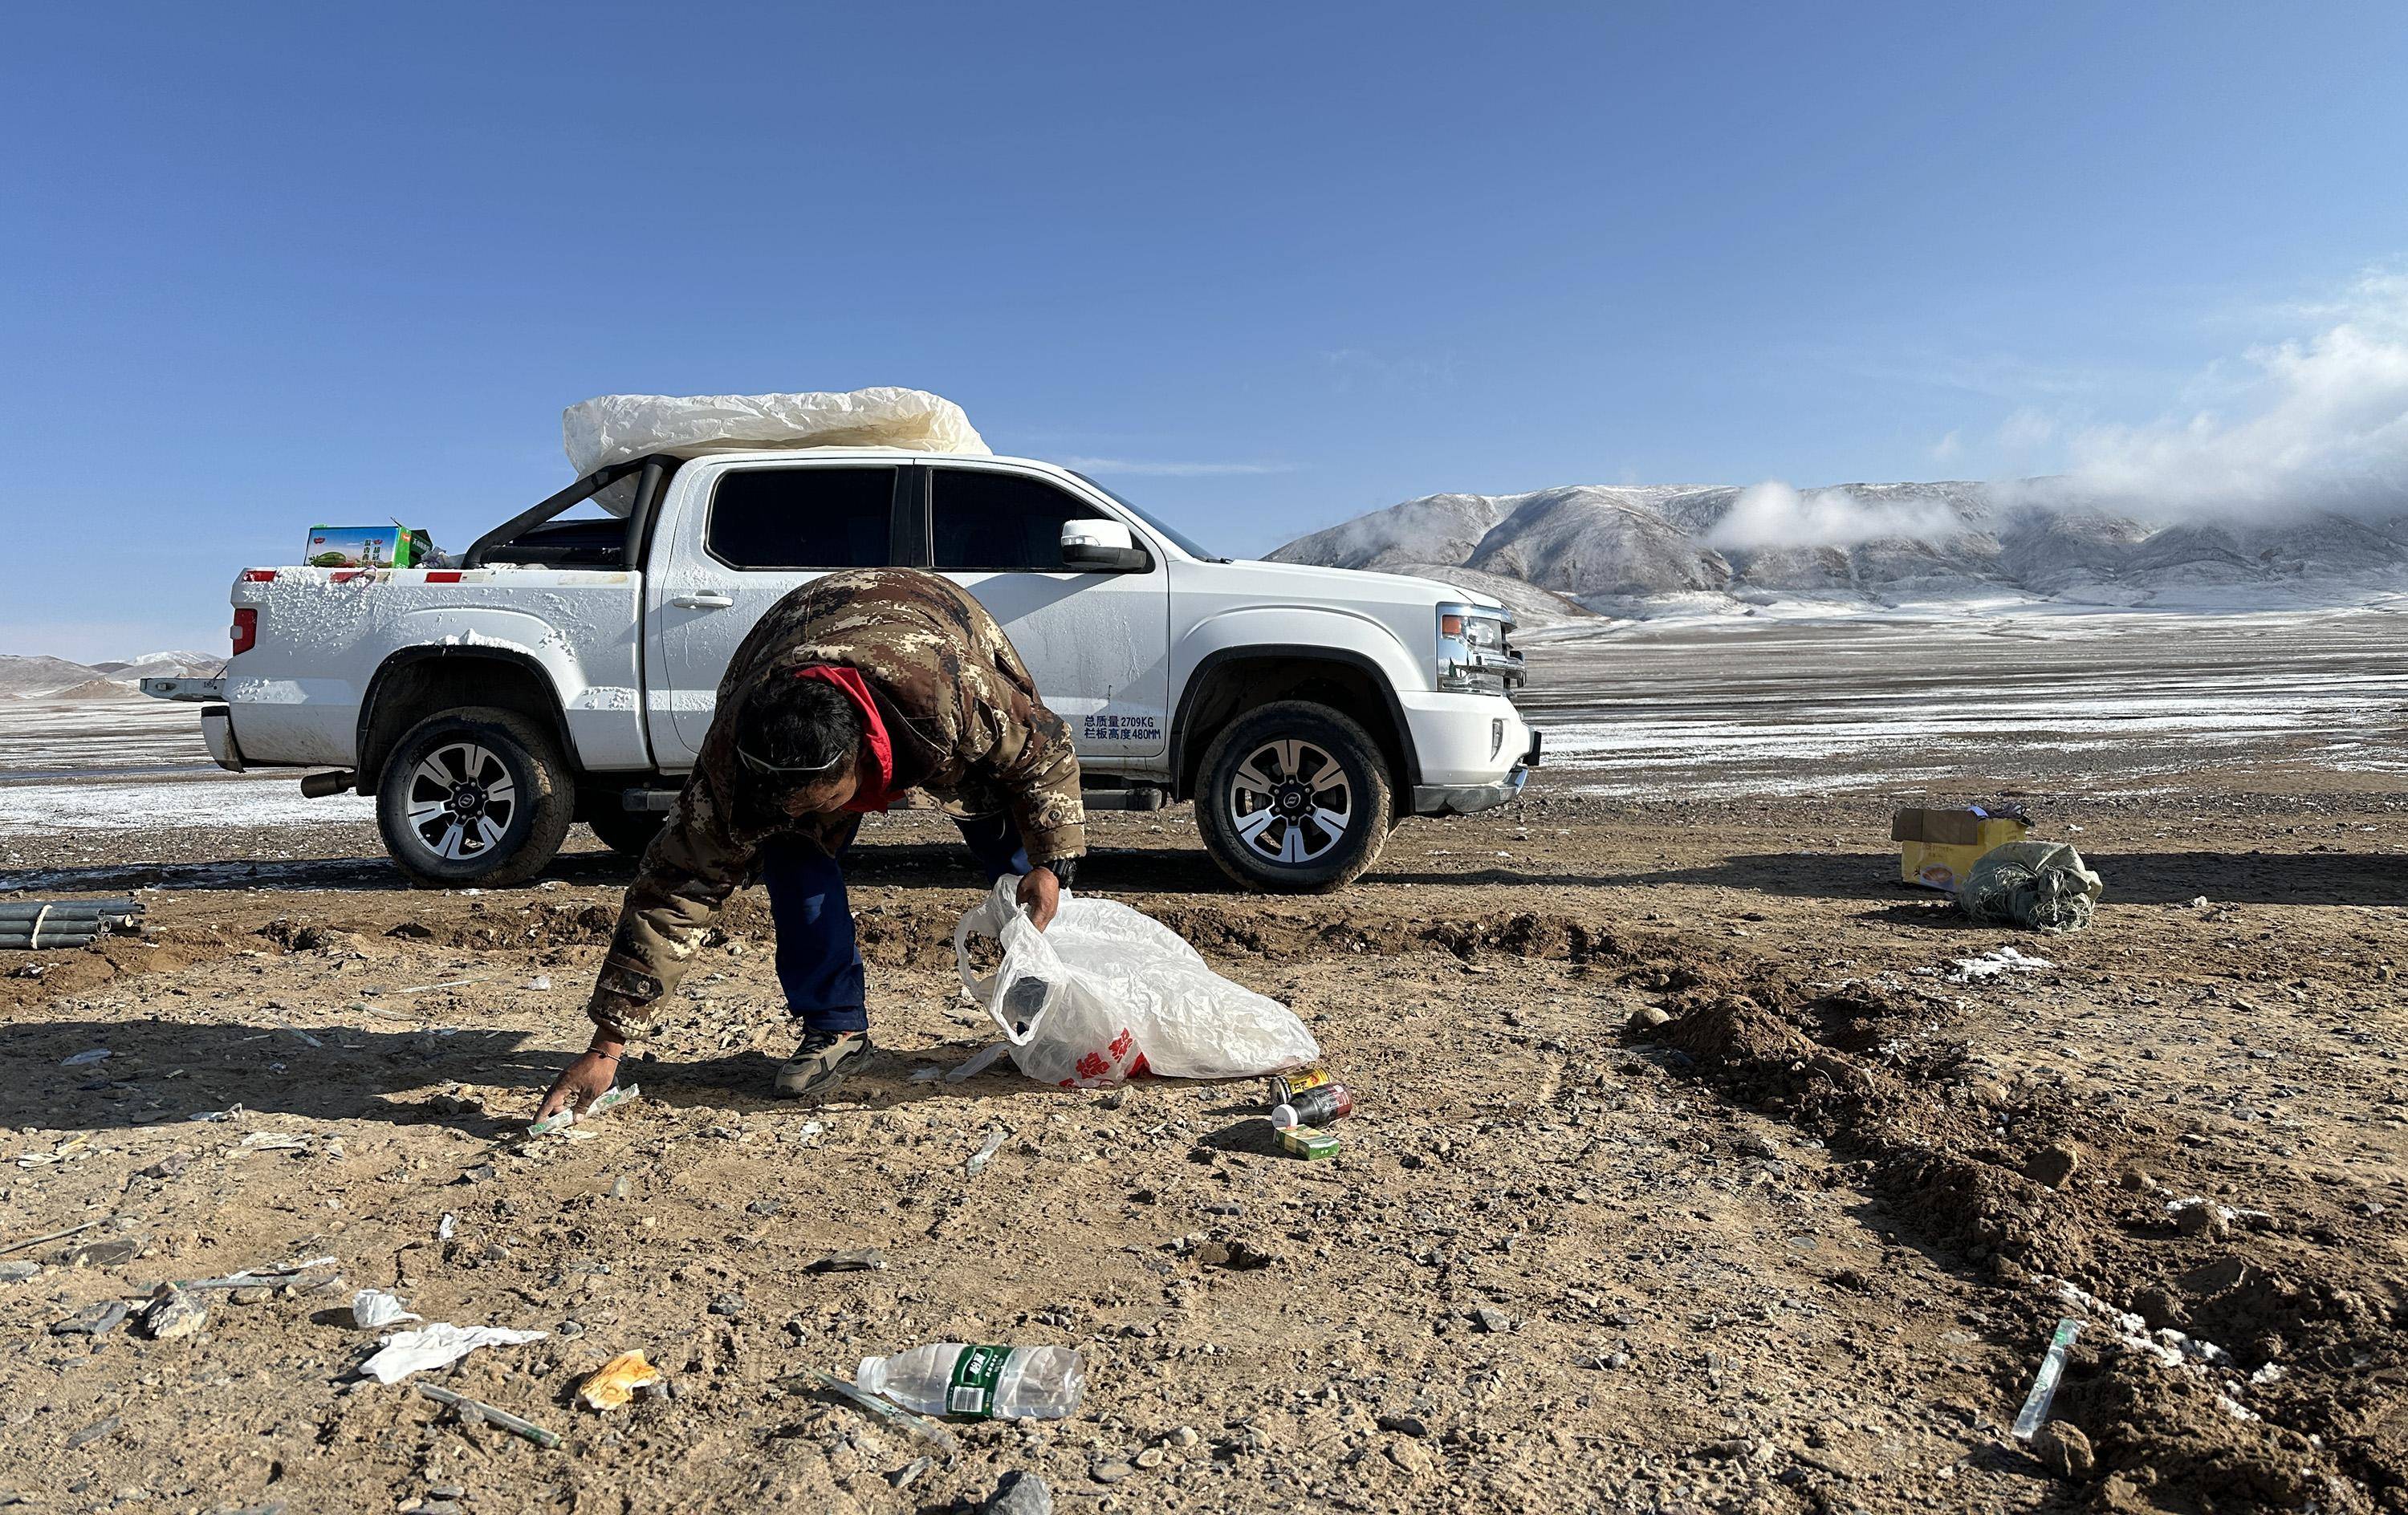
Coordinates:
1587	548
47	677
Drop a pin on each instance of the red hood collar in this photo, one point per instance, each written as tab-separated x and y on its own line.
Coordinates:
868	798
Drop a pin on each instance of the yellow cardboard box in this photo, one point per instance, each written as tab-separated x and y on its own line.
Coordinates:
1937	848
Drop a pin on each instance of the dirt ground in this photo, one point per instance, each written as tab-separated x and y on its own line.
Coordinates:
1797	1248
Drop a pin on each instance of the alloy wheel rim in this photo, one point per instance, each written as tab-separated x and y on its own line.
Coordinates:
1291	802
462	800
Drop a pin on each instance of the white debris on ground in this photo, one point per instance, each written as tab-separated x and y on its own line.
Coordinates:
2167	1347
1998	962
438	1345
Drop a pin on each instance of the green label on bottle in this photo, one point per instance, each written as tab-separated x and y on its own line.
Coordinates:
975	1373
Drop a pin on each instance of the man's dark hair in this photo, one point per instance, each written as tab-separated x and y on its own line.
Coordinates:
802	729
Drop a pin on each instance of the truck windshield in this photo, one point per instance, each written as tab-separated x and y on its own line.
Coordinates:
1179	538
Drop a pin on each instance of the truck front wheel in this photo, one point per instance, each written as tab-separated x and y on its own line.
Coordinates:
1293	799
475	796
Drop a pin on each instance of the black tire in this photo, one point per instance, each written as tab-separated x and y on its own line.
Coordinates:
626	832
1269	828
494	797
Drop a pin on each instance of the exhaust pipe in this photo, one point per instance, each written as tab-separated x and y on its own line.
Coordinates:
318	786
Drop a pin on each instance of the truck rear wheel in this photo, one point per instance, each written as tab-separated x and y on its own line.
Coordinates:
475	796
1293	797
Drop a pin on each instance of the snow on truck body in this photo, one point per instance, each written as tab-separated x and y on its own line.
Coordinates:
487	705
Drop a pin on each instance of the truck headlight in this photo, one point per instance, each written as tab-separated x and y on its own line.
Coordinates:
1474	657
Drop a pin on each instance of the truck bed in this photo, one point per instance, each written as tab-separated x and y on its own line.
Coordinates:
325	632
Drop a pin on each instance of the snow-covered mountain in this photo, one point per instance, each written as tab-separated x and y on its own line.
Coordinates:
45	678
1635	550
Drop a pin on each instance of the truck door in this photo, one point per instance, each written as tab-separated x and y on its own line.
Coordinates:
747	535
1098	643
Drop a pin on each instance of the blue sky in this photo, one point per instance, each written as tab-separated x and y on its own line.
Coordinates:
262	267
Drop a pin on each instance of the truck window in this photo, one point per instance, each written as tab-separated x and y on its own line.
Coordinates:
997	521
802	518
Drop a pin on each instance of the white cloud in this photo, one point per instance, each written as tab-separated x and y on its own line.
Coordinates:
2319	422
1774	515
1949	447
2026	431
1162	469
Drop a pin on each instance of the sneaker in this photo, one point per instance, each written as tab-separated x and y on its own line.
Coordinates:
821	1062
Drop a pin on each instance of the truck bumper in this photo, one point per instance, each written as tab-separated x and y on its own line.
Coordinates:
1464	799
1474	751
217	734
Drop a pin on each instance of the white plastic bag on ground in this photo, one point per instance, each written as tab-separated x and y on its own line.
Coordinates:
613	428
1105	993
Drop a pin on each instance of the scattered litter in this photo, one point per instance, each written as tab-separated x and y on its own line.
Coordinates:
979	1062
992	1382
868	1260
1305	1142
892	1414
306	1040
2166	1346
226	1114
1284	1087
48	1235
2041	886
1316	1106
2043	1389
1939	847
1105	993
274	1141
472	1410
374	1308
1995	964
86	1058
275	1276
540	981
926	1075
446	1226
604	1103
447	983
910	1473
615	1382
439	1345
985	1154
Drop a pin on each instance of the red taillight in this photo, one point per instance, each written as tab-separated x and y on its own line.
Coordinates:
246	631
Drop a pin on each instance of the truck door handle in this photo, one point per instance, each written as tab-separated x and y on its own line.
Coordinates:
702	602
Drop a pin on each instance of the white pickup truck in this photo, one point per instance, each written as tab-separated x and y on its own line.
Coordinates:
566	670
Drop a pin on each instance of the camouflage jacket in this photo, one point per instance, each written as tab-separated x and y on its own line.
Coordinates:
958	704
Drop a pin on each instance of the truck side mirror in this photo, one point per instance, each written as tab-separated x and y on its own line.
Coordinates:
1102	547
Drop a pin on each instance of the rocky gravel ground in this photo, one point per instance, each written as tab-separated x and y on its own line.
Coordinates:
1691	1171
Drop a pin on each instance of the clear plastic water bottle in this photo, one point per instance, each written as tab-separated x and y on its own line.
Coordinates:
955	1377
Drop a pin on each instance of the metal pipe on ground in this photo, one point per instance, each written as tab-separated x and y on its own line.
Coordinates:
46	943
66	910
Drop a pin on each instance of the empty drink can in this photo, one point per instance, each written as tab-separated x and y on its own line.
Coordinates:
1286	1086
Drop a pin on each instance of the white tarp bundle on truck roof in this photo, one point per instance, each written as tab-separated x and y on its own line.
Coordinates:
613	428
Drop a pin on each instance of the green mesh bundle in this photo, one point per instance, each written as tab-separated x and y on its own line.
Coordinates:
2041	886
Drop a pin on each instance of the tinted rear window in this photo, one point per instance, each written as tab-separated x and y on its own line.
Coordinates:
802	518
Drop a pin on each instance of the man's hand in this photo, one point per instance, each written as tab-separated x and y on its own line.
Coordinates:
584	1081
1041	896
